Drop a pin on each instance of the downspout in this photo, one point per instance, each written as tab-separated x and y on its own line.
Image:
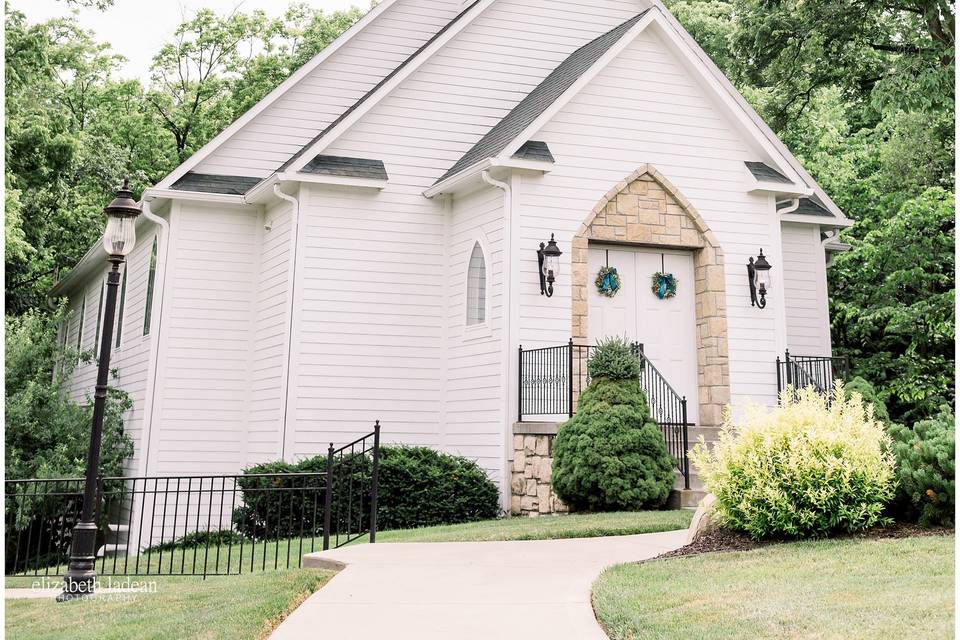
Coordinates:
506	340
155	321
794	205
292	272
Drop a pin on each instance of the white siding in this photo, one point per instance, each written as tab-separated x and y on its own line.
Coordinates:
206	352
805	290
295	118
368	336
474	406
265	435
646	107
131	360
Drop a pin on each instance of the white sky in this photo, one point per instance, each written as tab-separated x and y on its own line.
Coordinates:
137	28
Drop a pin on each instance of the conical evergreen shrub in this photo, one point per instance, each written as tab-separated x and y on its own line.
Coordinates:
611	455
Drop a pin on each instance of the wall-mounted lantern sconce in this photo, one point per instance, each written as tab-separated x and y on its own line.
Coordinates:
548	256
759	275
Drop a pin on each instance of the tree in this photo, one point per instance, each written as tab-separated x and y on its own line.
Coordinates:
893	305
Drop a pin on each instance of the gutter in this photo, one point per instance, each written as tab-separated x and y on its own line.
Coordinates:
292	279
507	338
156	325
481	170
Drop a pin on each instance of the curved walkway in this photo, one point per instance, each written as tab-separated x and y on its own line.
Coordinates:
464	590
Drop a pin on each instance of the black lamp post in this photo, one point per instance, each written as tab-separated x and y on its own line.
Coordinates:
759	275
118	241
548	257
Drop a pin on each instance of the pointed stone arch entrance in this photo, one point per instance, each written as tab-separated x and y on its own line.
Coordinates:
646	210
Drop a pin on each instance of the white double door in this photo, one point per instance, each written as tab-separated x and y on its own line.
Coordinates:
667	328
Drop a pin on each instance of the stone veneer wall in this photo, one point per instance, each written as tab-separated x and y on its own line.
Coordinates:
531	494
645	209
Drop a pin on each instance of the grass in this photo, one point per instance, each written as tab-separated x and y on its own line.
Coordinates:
546	527
851	589
230	607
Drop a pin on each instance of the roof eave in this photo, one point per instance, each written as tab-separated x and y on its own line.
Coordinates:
471	174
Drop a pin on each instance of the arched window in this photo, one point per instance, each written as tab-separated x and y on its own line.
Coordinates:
477	287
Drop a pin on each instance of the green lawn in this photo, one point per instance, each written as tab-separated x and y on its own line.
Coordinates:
850	589
243	607
546	527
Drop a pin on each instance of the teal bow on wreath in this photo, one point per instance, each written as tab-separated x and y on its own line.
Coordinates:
664	285
608	281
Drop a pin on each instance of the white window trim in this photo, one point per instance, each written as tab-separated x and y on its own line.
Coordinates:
481	329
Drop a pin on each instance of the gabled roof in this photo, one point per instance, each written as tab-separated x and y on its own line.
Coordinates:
534	150
347	167
369	94
541	98
211	183
766	173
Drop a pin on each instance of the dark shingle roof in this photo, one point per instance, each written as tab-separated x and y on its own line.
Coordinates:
210	183
538	100
811	206
348	167
372	91
534	150
766	173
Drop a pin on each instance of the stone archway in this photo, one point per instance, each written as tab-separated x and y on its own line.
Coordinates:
645	209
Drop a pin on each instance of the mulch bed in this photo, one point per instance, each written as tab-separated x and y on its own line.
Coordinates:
727	540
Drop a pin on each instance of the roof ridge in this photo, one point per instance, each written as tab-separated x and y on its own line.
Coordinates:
376	87
542	96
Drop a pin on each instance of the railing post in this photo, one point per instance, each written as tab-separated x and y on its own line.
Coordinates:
374	482
686	444
779	380
789	373
328	499
520	383
570	378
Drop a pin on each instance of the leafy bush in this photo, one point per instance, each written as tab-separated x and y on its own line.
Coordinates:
47	435
196	539
418	487
925	469
870	398
804	469
614	359
611	455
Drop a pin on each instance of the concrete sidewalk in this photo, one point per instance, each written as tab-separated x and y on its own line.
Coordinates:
464	590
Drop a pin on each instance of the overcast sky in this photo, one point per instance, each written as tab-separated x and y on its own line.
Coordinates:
137	28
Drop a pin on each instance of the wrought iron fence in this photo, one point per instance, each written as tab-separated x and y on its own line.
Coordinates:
197	525
818	372
551	380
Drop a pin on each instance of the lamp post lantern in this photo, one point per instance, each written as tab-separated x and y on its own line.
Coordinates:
118	241
548	258
760	284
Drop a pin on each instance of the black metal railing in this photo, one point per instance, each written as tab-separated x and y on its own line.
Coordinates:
818	372
197	525
551	380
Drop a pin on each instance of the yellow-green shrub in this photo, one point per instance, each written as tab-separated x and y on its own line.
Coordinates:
803	469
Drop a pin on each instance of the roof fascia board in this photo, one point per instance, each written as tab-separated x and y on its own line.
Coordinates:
346	181
472	173
576	87
823	221
753	116
195	196
294	78
318	147
779	188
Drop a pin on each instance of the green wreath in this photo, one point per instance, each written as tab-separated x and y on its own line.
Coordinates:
608	281
664	285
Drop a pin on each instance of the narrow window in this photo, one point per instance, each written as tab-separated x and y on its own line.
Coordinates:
476	287
123	299
150	278
96	336
83	312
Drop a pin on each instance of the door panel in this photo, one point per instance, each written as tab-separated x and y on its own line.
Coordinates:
667	328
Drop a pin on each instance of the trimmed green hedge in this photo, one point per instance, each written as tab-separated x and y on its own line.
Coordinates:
418	487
